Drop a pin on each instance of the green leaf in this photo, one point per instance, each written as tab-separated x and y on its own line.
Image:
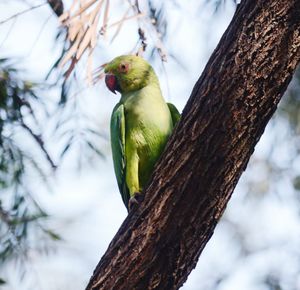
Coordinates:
296	182
54	236
95	149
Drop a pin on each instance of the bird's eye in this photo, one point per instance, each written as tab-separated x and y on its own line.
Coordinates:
123	68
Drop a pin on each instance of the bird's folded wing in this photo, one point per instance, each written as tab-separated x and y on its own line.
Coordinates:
174	113
117	131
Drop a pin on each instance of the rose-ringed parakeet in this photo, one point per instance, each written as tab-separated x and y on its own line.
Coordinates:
141	123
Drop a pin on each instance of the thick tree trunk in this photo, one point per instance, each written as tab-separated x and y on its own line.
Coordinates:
158	245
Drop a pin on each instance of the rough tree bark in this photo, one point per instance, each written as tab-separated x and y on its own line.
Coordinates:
159	244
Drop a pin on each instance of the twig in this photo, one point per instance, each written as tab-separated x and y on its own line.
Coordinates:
4	216
8	32
22	12
143	40
137	6
105	19
40	142
125	18
57	6
38	36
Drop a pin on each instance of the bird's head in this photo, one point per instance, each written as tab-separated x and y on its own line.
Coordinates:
128	73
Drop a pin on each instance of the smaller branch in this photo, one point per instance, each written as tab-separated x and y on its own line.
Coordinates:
57	6
137	6
39	35
126	19
143	40
22	12
40	142
4	216
8	32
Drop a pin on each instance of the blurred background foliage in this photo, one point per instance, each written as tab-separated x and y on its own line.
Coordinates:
20	214
25	109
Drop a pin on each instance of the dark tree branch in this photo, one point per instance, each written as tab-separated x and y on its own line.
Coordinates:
158	245
57	6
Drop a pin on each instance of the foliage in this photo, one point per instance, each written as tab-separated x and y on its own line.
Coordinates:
20	213
21	216
86	24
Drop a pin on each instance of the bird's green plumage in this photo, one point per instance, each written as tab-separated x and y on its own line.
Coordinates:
174	113
141	124
117	127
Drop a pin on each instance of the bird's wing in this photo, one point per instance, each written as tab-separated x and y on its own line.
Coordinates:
174	113
117	133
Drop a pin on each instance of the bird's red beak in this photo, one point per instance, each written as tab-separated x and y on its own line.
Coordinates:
111	82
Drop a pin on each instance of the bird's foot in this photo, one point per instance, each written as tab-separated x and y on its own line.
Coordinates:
135	200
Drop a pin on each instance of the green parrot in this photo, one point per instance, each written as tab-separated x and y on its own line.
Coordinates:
140	126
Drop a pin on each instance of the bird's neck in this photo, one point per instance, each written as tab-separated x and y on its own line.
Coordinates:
150	91
150	85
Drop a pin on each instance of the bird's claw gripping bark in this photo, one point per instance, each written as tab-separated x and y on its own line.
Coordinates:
135	201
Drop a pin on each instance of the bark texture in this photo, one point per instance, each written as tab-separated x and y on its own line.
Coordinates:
159	244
